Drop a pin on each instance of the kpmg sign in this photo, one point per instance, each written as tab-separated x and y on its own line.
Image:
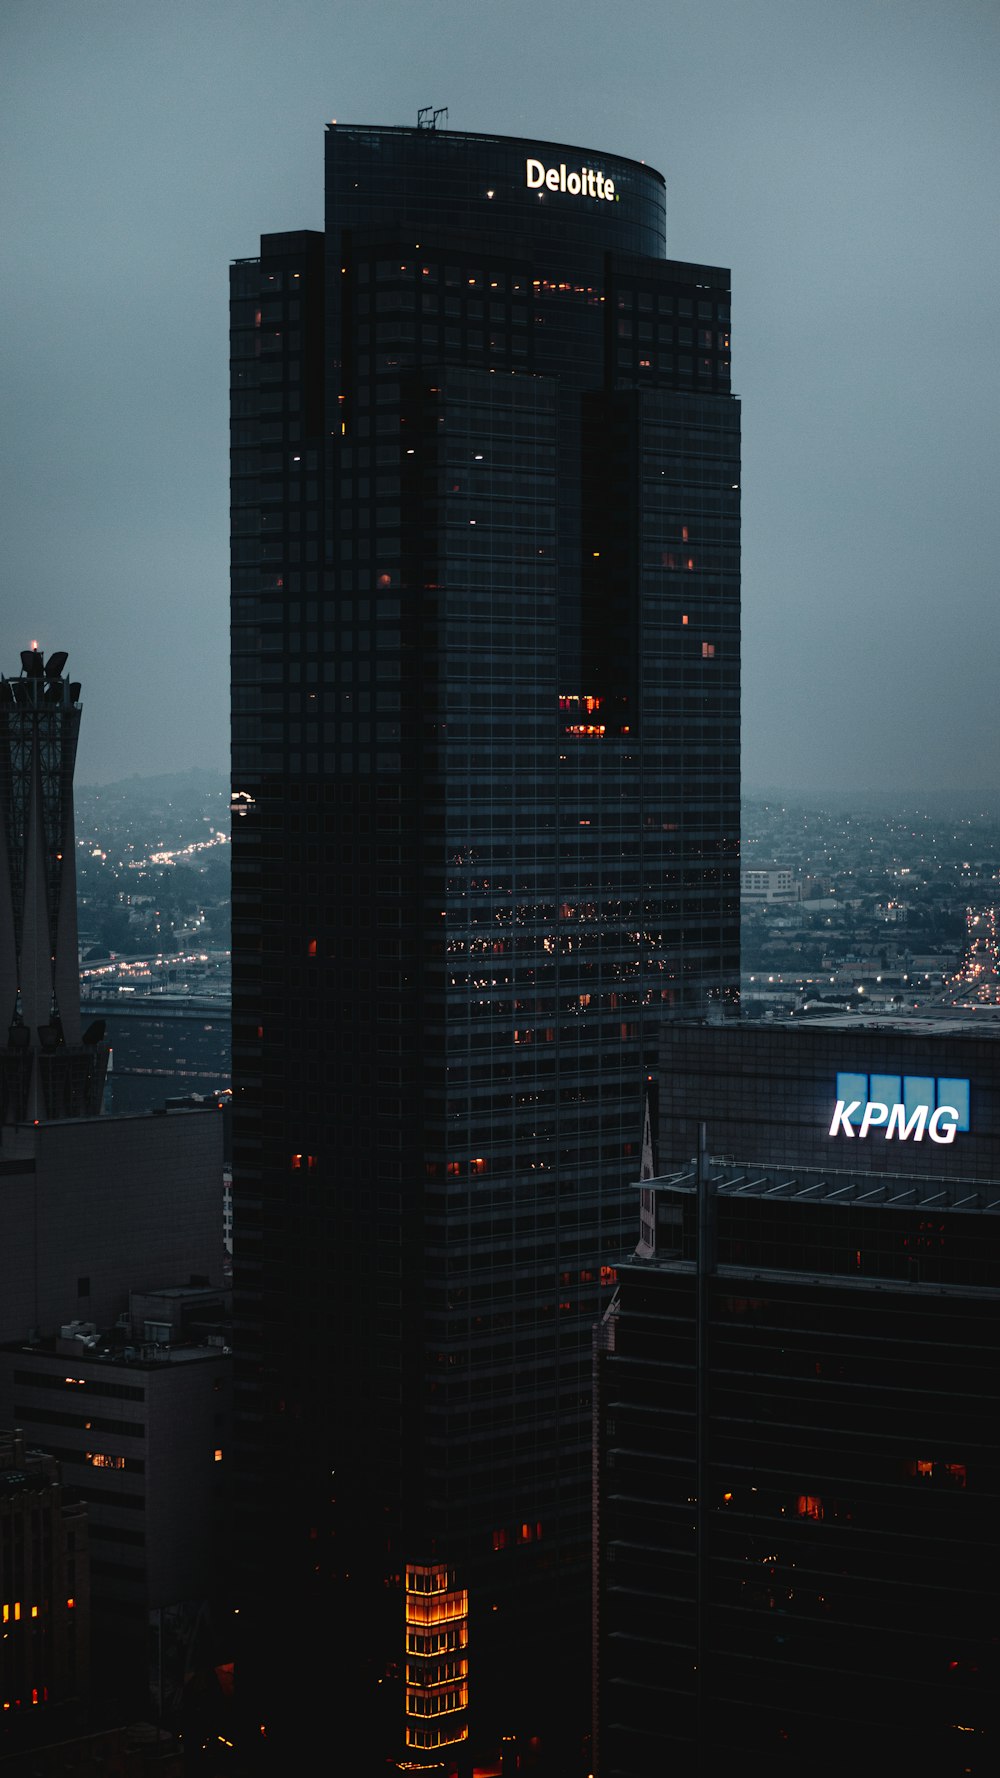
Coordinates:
905	1106
587	183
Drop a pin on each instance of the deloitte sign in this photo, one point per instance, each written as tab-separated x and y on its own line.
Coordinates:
586	183
905	1106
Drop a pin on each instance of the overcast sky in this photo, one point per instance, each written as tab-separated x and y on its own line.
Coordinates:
840	155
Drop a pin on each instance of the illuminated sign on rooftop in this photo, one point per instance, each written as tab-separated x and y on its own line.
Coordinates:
905	1106
587	183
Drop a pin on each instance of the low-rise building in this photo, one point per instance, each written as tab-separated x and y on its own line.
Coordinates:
139	1421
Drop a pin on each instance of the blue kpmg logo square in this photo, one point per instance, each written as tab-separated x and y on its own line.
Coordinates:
906	1106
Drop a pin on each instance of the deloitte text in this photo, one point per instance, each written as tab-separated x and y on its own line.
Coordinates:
587	183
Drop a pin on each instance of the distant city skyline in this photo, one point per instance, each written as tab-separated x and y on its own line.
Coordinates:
844	166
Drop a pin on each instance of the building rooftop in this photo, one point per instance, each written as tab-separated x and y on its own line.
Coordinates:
893	1191
942	1021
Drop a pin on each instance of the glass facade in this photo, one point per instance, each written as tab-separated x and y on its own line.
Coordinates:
486	814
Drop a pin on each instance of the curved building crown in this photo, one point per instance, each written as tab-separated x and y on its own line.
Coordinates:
498	187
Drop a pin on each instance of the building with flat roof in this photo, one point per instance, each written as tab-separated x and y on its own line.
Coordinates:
796	1409
139	1418
93	1207
486	783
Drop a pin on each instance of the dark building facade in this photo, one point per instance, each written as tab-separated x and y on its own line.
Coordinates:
49	1066
45	1594
486	810
140	1426
796	1411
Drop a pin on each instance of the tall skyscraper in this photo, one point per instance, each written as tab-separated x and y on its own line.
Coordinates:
49	1068
486	814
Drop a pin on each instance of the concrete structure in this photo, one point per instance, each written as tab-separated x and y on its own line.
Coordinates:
49	1066
768	882
93	1207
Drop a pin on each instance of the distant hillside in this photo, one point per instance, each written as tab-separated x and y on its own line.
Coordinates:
199	781
964	804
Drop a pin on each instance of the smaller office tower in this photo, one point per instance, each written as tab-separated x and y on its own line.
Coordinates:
49	1068
44	1598
796	1411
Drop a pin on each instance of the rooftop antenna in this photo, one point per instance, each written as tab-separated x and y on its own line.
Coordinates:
427	116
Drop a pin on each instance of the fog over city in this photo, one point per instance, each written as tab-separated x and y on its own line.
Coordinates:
842	160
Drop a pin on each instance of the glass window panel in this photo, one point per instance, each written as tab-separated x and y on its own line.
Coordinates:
956	1093
853	1086
918	1090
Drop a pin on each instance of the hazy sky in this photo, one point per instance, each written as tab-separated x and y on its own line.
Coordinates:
840	155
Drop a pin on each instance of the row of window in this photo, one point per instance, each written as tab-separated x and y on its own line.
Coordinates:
94	1386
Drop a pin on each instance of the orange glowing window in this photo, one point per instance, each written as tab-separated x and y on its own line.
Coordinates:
500	1539
684	619
809	1506
217	1455
296	1162
311	948
609	1275
454	1168
708	651
685	535
957	1474
479	1165
312	1162
70	1604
